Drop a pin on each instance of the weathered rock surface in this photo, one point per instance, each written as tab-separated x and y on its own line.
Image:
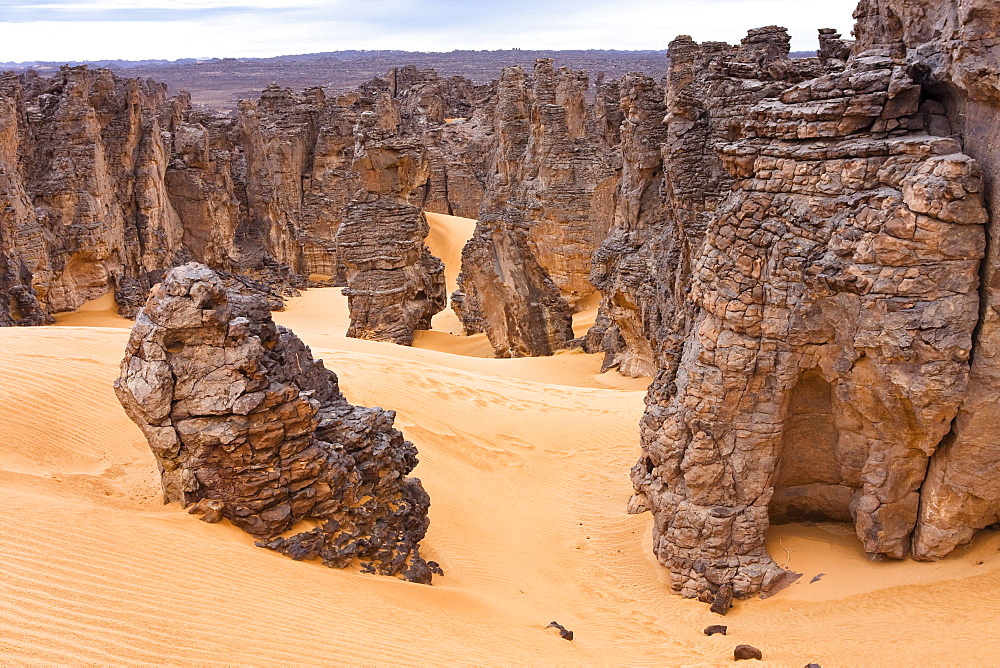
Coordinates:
795	248
82	189
105	183
673	178
394	284
813	337
246	425
547	206
953	50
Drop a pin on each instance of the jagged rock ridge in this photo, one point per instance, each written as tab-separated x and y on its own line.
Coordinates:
245	424
546	208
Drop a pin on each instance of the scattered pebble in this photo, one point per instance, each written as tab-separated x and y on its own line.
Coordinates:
563	631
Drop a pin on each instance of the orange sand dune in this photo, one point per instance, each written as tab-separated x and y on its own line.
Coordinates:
446	239
526	462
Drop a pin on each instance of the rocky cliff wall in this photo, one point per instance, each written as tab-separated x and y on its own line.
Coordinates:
814	331
83	158
105	183
673	179
953	50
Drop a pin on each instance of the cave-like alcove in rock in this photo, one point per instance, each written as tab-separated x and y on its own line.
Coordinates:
809	479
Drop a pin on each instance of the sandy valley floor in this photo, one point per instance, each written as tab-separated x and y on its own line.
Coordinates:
526	462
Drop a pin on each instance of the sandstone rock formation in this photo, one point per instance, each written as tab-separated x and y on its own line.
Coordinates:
794	247
673	178
953	50
813	326
394	284
245	424
82	189
547	206
105	183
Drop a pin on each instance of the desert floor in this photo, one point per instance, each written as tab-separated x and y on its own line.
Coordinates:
526	462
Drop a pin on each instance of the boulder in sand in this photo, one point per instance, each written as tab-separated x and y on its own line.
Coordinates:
238	412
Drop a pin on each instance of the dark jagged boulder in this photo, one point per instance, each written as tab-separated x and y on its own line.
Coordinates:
246	425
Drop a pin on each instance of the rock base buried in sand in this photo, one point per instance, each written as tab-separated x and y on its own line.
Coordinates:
743	652
716	628
246	425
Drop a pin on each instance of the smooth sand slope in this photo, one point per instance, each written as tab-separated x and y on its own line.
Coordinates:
526	462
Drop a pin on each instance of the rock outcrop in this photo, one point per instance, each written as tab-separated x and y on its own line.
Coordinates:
394	284
673	178
82	193
247	426
813	331
953	50
105	183
547	207
801	250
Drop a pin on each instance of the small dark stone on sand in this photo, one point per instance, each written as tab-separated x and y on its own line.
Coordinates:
563	631
813	665
817	578
723	600
743	652
716	628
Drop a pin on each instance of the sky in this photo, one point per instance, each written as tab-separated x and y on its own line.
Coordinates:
63	30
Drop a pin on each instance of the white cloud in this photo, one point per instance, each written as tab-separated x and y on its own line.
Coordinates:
307	26
180	5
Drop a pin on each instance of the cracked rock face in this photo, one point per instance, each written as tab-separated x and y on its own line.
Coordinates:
547	206
953	49
828	325
245	424
82	191
673	178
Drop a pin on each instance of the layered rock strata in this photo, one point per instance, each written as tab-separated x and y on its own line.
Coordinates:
394	284
817	351
247	426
